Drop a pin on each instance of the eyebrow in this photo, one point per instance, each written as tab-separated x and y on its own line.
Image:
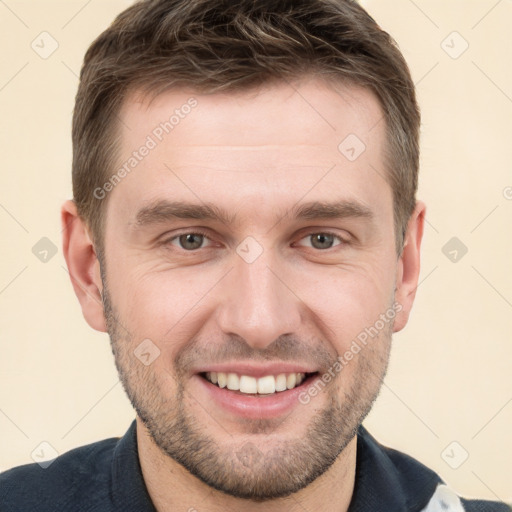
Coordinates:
164	210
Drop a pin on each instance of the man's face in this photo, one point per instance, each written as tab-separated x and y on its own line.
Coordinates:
262	293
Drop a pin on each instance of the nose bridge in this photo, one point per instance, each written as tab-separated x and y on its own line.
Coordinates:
257	304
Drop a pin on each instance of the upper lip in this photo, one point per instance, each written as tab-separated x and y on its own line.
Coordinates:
255	370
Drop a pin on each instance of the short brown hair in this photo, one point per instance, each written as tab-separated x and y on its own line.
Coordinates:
232	45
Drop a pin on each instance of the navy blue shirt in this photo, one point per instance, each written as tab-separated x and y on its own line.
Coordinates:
106	476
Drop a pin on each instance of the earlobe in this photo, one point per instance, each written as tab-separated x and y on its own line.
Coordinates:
408	269
83	266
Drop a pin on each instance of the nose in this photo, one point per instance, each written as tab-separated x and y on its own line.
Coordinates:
257	303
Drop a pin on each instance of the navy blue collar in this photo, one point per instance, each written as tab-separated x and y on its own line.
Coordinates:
388	480
129	492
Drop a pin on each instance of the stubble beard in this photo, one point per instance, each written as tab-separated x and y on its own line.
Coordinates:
245	469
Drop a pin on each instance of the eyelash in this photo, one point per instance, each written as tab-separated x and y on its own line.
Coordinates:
206	235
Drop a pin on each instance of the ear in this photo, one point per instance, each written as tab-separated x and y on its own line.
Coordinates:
408	269
83	266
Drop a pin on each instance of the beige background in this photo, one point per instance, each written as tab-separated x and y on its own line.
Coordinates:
449	377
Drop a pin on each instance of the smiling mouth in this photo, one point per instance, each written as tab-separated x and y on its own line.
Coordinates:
248	385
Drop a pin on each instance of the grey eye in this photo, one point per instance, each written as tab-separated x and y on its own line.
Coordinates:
322	240
191	241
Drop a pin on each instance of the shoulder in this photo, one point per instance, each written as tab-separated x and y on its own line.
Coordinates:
68	480
445	499
485	506
397	481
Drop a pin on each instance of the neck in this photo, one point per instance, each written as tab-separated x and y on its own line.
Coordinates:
172	487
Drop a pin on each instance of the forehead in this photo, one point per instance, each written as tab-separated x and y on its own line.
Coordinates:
311	109
278	143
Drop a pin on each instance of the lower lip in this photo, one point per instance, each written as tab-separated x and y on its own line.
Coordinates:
256	406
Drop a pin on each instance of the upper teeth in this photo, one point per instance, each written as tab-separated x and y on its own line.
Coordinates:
251	385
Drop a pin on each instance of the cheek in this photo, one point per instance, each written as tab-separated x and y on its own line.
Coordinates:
165	304
159	304
347	299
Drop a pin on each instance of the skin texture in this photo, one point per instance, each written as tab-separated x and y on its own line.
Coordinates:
258	155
